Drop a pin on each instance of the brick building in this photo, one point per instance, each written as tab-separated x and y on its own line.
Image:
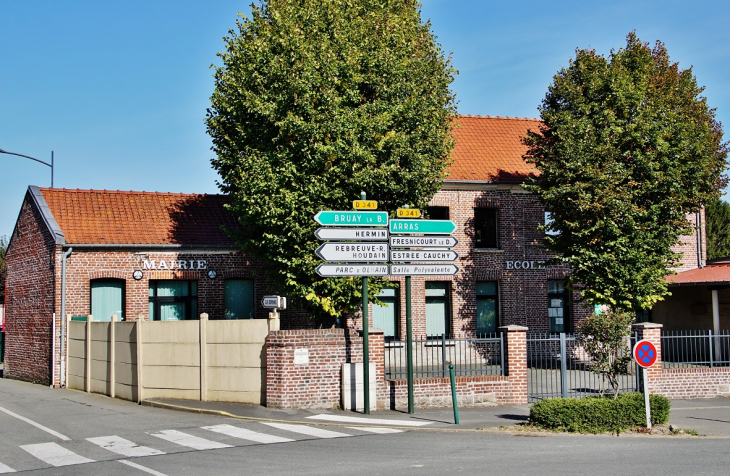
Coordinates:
160	256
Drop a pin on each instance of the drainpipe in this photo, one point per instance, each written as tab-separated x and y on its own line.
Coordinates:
699	240
63	313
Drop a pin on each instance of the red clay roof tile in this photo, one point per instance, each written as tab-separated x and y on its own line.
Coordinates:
712	273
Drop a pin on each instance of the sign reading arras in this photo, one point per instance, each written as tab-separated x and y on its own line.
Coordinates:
175	264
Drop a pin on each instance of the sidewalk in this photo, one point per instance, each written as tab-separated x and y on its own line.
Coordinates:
709	417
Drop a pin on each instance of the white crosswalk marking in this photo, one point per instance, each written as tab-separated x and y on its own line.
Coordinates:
55	454
124	447
367	421
142	468
190	441
244	434
307	430
379	430
6	469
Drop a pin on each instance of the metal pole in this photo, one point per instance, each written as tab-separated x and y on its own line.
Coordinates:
563	367
51	169
365	346
453	394
646	399
409	344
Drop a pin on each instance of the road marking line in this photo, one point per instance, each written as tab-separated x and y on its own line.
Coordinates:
124	447
190	441
55	454
244	434
371	421
379	430
37	425
307	430
141	468
6	469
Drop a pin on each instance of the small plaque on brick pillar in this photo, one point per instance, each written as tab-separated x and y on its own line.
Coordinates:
301	356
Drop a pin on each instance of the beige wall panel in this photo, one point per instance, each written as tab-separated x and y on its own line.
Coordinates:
125	374
234	379
171	393
99	369
175	331
100	350
187	378
77	330
100	331
239	331
75	382
125	392
235	355
126	353
76	367
77	348
238	397
171	354
125	331
100	386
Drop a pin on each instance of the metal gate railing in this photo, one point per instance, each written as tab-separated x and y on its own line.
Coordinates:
558	367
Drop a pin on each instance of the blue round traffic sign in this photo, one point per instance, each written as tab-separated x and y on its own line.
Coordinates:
645	353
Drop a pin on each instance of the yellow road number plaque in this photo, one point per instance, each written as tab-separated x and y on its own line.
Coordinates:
365	204
409	213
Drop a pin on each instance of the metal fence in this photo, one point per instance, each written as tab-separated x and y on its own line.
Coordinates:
471	357
688	349
558	367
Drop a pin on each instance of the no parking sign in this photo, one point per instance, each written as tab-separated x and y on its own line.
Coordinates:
645	353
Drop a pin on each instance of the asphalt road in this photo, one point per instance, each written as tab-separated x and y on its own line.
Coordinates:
89	434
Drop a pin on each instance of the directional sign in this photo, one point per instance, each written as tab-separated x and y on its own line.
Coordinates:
423	269
408	213
352	269
422	255
346	252
274	302
645	353
360	234
364	204
423	241
347	218
428	227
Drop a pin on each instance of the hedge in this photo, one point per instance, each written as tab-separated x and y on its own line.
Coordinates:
598	414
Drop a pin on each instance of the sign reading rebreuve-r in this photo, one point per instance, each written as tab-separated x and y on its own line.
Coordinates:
348	218
429	227
346	252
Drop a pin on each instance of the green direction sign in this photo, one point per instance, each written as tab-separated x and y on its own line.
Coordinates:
428	227
349	218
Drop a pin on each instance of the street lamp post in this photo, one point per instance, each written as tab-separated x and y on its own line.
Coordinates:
32	158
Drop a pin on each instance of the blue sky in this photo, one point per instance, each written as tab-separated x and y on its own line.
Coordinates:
119	89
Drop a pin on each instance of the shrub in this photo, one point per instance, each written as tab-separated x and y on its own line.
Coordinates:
598	414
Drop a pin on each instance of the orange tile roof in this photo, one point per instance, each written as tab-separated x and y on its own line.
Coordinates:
489	149
114	217
710	274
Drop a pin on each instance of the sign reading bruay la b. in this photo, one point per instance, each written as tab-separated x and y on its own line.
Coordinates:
348	218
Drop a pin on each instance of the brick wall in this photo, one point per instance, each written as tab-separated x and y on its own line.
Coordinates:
682	383
318	383
29	298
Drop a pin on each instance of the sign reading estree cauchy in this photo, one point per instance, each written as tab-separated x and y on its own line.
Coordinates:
175	264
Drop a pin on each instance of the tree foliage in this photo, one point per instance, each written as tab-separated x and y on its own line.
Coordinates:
605	337
627	148
717	224
314	103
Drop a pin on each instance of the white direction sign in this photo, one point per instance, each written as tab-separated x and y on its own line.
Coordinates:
346	252
423	269
422	255
352	269
423	241
362	234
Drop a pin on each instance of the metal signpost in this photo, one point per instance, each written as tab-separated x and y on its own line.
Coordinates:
645	355
366	251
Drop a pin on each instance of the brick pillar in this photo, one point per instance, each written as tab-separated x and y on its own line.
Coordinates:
376	352
515	366
652	332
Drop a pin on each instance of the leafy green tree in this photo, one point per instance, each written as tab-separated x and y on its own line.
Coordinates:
627	148
605	338
717	224
315	102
